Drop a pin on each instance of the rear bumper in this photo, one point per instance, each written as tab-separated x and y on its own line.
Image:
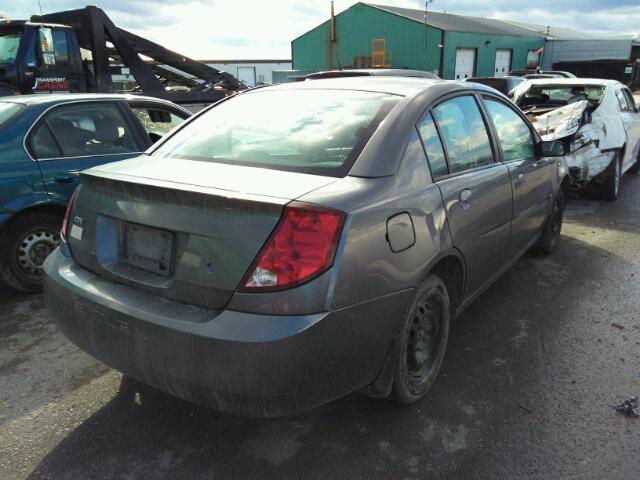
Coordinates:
256	365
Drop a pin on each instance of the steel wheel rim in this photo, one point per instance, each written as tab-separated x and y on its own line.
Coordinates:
424	339
34	248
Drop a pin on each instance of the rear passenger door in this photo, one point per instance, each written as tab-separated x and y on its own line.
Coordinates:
475	188
74	137
531	174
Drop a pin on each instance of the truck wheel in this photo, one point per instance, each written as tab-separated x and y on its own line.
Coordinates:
548	242
24	245
421	342
611	186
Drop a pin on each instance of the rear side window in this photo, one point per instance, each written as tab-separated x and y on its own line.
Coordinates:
630	100
8	111
432	146
84	130
464	134
320	132
622	101
514	134
157	121
43	145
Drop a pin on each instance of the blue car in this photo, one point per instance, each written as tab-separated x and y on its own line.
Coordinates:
45	141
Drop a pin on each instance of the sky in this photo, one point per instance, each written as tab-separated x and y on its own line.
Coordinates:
254	29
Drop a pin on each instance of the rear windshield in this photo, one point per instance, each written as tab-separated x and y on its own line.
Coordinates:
8	111
559	95
321	132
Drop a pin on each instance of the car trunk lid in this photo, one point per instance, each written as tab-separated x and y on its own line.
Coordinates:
185	230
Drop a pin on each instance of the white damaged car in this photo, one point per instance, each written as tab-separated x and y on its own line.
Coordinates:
597	120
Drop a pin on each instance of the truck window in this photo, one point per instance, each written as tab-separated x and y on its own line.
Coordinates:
60	46
9	43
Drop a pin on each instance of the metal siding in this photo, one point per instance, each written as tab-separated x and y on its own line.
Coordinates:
486	58
585	50
356	27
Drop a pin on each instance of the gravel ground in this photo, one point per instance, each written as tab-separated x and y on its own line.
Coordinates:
526	391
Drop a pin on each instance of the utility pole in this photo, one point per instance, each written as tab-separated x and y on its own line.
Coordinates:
426	30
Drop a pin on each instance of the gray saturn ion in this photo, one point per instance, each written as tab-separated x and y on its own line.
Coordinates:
295	243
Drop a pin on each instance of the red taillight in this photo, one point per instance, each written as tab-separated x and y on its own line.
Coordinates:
64	231
301	247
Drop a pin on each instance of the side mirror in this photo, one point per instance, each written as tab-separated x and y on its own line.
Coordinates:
553	149
46	46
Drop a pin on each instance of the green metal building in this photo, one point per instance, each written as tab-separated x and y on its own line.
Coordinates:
453	46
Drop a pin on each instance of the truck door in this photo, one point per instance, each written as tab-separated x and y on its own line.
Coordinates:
59	69
80	135
476	189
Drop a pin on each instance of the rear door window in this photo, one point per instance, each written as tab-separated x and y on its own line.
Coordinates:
84	130
622	101
157	121
433	146
514	134
464	134
8	111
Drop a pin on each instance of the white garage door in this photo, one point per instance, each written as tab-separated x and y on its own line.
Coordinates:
247	75
503	63
465	63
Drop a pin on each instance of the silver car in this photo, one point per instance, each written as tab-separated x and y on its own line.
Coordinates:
299	242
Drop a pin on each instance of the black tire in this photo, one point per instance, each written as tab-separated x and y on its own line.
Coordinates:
24	244
548	242
611	186
635	168
421	342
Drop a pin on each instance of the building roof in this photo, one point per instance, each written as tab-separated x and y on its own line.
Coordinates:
460	23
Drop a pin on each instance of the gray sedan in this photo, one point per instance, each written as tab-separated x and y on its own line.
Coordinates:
296	243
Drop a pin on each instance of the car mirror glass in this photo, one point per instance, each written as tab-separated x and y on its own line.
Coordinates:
553	149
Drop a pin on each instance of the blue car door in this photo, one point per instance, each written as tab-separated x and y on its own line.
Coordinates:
73	137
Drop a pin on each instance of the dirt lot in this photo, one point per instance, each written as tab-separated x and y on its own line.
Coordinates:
526	391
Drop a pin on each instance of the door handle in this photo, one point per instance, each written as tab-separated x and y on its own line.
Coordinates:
520	180
465	195
64	179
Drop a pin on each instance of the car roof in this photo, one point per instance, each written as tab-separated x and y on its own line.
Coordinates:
382	72
57	98
571	81
395	85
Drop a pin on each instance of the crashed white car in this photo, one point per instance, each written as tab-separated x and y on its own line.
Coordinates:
596	119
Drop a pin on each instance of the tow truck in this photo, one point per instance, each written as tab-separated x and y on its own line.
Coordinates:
77	51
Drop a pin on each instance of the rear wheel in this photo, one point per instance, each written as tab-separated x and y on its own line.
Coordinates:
421	342
550	237
24	245
611	186
635	168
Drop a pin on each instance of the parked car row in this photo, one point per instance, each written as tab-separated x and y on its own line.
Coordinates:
291	244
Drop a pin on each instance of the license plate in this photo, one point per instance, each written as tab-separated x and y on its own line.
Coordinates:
148	249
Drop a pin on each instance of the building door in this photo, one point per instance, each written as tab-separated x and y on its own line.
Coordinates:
503	63
465	63
247	75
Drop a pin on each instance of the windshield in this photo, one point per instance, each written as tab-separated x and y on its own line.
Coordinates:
312	131
8	111
9	43
560	95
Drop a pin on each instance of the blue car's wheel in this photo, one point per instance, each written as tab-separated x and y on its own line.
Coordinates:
24	245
